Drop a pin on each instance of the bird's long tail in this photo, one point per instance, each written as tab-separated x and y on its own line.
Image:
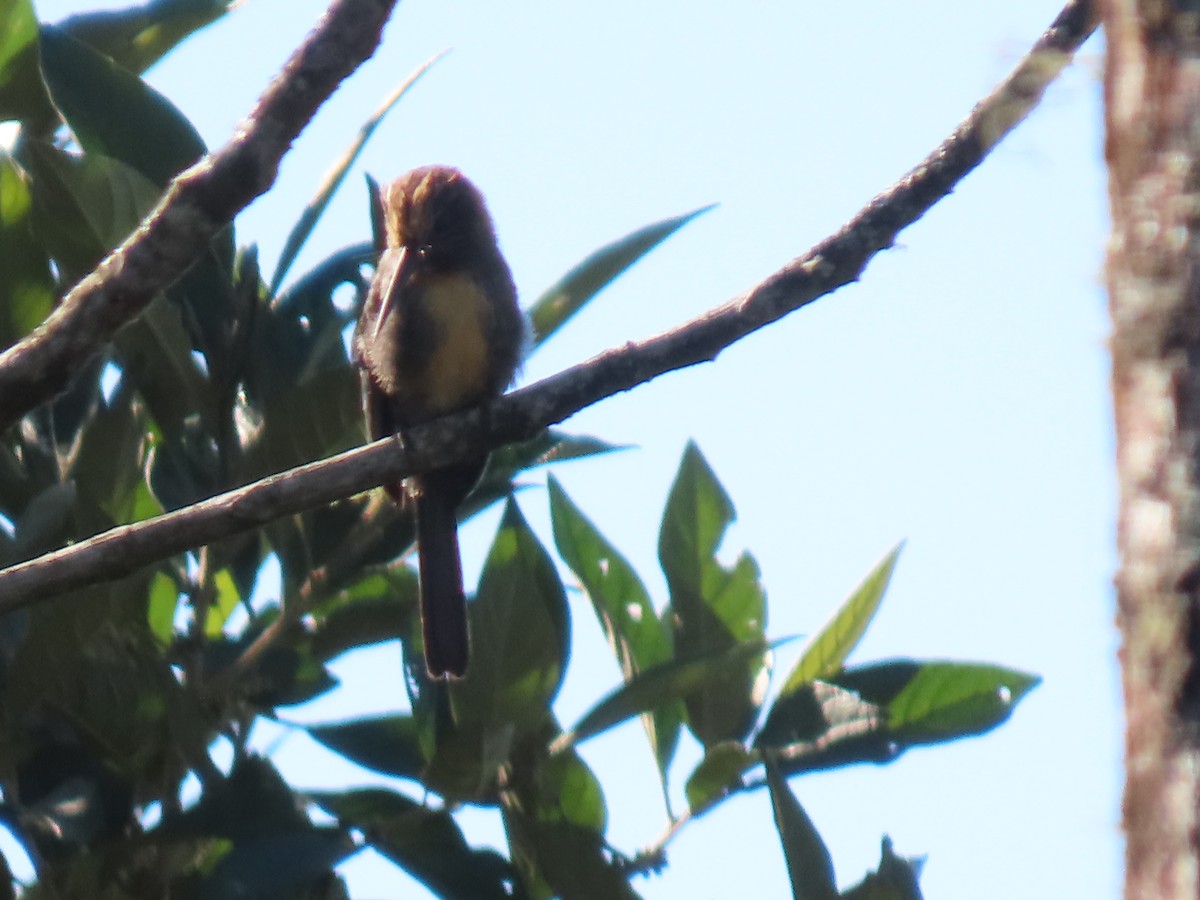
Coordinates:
443	601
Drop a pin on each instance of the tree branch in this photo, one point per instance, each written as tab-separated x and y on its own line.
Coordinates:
834	262
198	203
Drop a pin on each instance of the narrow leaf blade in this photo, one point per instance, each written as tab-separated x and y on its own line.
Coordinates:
573	291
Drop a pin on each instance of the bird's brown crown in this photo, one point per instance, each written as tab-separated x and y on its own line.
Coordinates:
436	212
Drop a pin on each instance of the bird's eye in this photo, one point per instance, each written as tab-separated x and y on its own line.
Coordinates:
425	250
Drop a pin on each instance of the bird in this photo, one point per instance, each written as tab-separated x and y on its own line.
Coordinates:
440	331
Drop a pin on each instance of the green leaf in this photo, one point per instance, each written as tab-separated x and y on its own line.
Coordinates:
377	608
623	608
306	421
719	772
827	650
936	701
164	602
388	744
810	867
84	206
336	175
109	466
874	713
225	600
136	37
27	289
184	469
558	304
45	523
113	112
426	843
286	673
554	816
521	628
713	608
22	94
823	725
660	686
154	353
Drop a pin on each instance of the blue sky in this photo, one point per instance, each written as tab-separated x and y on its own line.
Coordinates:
957	396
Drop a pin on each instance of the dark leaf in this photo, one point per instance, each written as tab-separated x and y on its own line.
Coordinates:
83	206
336	175
389	744
46	523
558	304
713	608
563	859
185	470
378	608
109	466
275	865
113	112
252	801
426	843
810	867
521	627
896	878
136	37
659	686
154	353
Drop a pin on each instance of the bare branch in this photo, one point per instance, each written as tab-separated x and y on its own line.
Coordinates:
522	414
198	203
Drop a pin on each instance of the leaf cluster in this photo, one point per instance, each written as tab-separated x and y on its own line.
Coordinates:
113	698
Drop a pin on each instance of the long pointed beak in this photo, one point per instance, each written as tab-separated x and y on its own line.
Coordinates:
391	273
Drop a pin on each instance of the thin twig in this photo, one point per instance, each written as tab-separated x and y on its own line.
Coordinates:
836	261
198	203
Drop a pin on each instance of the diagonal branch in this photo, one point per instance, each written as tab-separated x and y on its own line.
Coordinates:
836	261
199	202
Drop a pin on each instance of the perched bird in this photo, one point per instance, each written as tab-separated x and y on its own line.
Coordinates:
440	331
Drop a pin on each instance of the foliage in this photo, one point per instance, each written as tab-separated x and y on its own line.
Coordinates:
112	697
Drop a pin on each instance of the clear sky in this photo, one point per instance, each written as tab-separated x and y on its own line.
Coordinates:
957	396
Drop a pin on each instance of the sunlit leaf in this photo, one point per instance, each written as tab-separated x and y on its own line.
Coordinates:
225	600
717	773
827	650
27	288
22	93
164	601
623	608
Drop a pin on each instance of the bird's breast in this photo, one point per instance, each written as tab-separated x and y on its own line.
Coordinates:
457	370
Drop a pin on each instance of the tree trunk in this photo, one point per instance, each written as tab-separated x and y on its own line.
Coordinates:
1152	92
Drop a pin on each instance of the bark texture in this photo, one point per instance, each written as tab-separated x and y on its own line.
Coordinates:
1152	93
